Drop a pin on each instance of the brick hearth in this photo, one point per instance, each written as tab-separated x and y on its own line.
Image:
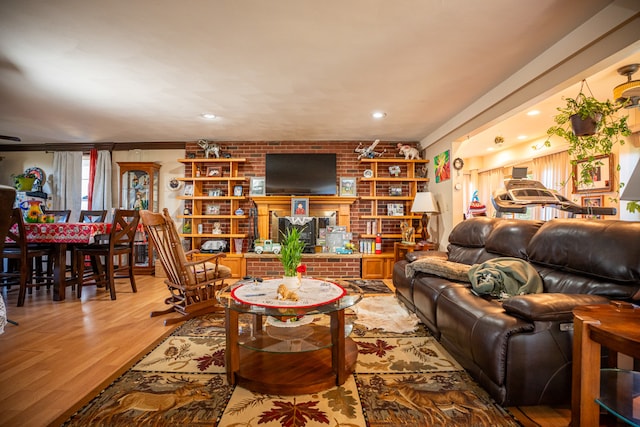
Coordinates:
318	265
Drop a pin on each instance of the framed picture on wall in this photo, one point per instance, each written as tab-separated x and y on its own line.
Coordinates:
441	164
593	202
299	207
256	186
601	175
348	187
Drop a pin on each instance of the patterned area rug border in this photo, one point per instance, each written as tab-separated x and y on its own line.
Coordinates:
400	379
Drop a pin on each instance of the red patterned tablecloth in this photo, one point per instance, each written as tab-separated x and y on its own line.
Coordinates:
64	232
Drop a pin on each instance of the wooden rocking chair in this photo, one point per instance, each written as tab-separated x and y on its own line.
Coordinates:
192	281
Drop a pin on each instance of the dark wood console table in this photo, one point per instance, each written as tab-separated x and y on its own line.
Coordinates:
615	326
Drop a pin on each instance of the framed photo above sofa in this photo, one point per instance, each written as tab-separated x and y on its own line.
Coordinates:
593	202
601	175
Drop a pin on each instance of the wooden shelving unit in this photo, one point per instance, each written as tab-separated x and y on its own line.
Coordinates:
375	189
379	184
205	177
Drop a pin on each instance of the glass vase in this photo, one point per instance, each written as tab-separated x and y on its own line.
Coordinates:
291	282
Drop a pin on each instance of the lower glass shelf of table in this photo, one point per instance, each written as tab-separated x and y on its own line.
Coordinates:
620	394
308	333
289	347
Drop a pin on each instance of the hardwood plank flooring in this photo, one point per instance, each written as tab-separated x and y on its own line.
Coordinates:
63	353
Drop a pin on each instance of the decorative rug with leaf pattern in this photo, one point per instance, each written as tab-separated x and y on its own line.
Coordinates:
401	379
369	286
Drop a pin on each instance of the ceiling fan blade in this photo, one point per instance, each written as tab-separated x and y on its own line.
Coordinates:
10	138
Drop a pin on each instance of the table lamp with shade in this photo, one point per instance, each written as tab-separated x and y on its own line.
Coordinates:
423	203
631	190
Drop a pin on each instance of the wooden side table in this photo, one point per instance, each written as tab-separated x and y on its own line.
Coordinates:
401	249
614	326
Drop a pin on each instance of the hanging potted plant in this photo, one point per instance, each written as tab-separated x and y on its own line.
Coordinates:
290	257
591	127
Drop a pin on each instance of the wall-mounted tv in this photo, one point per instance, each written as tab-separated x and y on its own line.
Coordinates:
300	174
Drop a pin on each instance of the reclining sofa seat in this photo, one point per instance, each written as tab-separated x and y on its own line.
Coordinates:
520	349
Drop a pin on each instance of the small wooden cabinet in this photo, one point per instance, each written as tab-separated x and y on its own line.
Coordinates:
377	266
213	194
139	189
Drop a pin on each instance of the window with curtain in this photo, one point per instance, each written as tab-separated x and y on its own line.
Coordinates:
553	171
100	180
488	182
85	182
73	175
66	181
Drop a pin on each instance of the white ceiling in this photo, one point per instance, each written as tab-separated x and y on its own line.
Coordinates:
518	128
143	70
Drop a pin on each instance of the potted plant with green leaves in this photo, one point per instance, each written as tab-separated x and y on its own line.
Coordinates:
291	257
24	181
592	128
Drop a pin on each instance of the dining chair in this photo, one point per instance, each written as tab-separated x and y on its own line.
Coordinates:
17	249
93	215
192	281
59	215
118	245
7	198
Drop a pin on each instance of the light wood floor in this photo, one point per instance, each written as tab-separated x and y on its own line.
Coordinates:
63	353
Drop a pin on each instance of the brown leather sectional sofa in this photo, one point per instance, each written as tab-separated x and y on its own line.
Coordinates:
520	349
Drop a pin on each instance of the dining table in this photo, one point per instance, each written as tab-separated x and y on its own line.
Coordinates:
61	235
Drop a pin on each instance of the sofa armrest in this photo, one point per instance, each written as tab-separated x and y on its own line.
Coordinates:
549	306
415	255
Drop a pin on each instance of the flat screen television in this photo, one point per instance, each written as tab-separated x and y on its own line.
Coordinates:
300	174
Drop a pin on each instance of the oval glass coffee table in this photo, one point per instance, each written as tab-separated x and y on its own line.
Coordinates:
276	346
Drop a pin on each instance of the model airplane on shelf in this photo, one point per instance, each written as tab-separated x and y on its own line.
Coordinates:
368	152
519	193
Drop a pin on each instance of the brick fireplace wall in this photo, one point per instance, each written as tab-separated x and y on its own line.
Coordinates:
347	165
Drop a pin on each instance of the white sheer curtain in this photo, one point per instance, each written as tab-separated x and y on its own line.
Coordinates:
67	181
554	172
488	182
102	182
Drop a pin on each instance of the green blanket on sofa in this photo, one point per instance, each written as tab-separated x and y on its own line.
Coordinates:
505	277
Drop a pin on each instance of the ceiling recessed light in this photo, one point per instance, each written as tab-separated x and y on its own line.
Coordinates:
378	115
521	137
208	116
533	113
